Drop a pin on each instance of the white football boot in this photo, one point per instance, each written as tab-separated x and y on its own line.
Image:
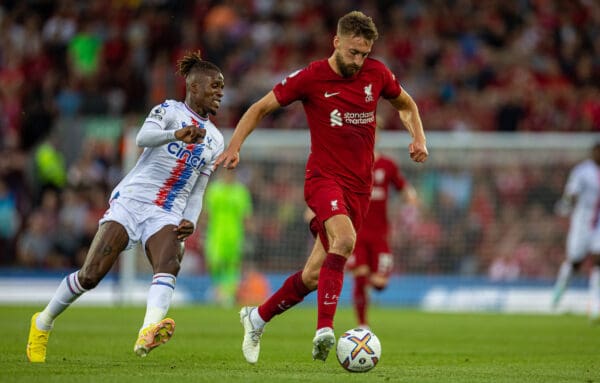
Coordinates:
323	342
252	334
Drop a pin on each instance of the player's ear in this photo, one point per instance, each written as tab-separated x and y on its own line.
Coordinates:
192	85
336	41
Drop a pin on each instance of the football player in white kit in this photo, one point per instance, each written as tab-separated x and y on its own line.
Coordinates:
581	199
157	204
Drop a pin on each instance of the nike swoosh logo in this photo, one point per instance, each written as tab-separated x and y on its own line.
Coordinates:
329	303
327	95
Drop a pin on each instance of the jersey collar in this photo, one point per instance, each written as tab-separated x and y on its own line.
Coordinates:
194	113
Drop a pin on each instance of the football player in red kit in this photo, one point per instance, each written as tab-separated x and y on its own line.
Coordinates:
372	261
339	95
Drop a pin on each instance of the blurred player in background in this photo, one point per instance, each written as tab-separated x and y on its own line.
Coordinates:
581	199
228	206
339	95
372	261
157	203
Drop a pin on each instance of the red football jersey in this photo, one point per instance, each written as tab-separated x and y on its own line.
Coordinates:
385	174
341	117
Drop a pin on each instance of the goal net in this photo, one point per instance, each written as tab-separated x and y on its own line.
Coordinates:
487	202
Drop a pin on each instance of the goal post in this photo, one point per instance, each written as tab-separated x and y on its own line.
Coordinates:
487	201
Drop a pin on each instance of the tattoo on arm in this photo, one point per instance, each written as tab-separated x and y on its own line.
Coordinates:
107	250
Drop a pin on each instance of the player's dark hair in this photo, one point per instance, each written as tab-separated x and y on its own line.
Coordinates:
192	61
357	23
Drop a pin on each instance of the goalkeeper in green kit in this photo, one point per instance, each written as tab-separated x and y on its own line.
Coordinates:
228	205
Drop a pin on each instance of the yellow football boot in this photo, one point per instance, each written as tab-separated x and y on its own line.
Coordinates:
153	336
37	342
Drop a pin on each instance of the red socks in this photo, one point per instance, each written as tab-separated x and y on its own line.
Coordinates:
289	294
331	280
360	298
293	292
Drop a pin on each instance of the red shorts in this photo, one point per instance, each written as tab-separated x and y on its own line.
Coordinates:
326	198
374	252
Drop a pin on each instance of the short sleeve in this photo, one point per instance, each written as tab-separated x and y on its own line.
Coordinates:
161	115
292	87
391	88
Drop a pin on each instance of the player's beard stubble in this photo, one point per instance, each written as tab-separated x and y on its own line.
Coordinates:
347	70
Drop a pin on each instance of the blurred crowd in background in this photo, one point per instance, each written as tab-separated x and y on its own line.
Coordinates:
471	65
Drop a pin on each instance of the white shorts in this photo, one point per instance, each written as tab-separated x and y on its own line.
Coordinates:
141	220
582	240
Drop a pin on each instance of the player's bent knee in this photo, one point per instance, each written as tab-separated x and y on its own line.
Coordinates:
361	271
88	281
344	245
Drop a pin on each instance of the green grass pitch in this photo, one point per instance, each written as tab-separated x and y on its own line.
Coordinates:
94	344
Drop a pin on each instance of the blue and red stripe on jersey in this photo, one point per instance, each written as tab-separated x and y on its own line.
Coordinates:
177	180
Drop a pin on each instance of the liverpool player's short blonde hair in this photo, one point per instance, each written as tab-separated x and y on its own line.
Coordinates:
357	23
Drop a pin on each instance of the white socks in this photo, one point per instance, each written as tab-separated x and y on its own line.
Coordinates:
564	274
159	298
66	293
256	320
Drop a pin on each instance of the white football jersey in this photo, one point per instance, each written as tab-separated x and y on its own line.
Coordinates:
166	174
584	183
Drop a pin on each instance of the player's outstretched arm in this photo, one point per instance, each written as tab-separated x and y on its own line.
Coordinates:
409	114
230	156
151	135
